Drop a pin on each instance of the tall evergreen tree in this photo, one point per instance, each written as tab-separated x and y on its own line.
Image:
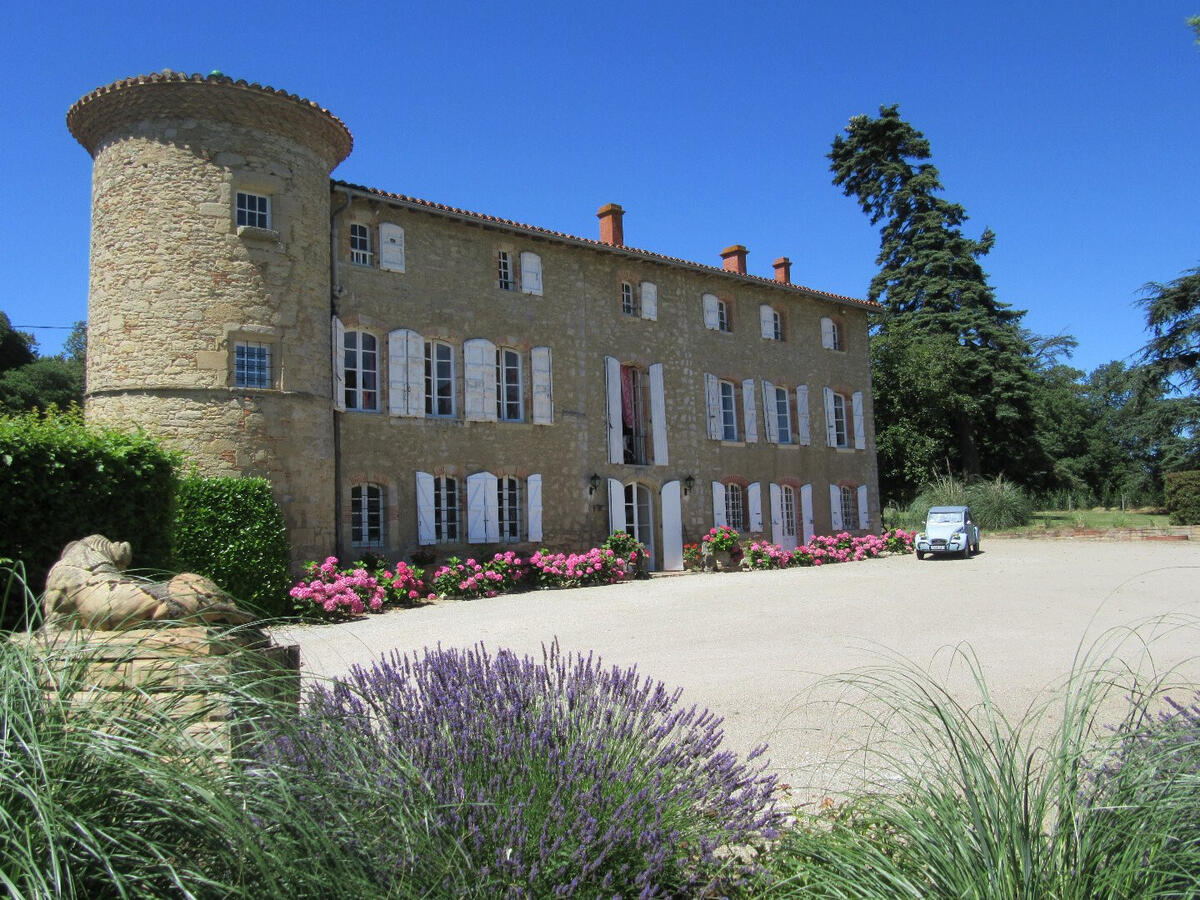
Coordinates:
1173	320
940	311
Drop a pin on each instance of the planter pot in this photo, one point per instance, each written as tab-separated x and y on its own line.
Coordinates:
723	561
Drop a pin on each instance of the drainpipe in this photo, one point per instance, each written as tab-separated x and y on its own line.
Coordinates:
335	291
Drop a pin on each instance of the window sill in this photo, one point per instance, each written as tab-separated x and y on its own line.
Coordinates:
788	446
725	443
253	233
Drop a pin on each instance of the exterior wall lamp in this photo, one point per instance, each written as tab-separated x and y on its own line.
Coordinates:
593	484
688	484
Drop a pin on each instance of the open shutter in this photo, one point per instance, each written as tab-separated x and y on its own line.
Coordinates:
860	434
425	532
711	320
479	380
835	507
712	405
533	491
766	322
718	504
777	515
649	300
543	387
612	394
616	506
406	373
658	415
750	411
830	424
864	513
531	273
482	524
391	247
802	415
827	333
339	365
672	528
754	501
806	513
770	414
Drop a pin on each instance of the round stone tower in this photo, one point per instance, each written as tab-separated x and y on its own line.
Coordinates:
209	298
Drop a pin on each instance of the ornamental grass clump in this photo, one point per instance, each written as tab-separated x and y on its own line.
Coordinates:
552	778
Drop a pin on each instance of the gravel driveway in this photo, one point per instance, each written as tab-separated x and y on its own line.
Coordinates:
754	646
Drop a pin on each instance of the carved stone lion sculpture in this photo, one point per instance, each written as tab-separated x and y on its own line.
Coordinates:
87	587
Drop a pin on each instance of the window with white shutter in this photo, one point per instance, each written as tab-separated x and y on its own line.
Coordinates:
776	496
658	416
672	527
770	415
479	380
482	509
712	406
860	434
543	386
531	273
391	247
612	408
533	486
835	507
338	335
750	411
766	322
628	299
735	507
360	244
649	291
754	504
509	398
710	312
616	506
406	373
864	512
426	534
803	416
718	504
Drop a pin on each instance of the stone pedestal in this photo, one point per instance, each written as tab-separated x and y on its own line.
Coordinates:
206	676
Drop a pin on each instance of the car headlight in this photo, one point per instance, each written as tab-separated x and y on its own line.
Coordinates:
957	536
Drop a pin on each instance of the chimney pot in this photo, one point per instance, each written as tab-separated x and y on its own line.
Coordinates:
734	259
783	270
612	230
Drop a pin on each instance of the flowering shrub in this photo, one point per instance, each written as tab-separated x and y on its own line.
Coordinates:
332	593
504	572
691	556
404	584
597	566
552	778
625	545
721	538
764	555
899	541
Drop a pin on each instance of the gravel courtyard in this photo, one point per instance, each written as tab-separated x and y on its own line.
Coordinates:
753	647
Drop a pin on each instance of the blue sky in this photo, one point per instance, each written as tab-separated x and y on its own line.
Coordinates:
1071	130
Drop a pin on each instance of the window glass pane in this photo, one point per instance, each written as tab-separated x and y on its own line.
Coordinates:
252	365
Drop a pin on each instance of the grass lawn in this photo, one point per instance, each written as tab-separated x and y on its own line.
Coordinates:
1098	518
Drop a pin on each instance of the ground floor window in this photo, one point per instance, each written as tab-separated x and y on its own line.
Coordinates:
849	506
366	515
735	507
445	509
508	508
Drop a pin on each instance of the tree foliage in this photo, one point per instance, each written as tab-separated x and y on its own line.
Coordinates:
1173	320
29	381
16	347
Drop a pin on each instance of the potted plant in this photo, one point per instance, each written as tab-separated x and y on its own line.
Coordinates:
629	548
722	548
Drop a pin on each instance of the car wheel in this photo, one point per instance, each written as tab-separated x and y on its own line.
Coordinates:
966	552
920	554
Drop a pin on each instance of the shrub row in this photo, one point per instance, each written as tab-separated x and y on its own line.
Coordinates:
821	550
1183	497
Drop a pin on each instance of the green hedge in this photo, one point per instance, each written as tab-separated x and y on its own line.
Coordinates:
63	481
1183	497
231	530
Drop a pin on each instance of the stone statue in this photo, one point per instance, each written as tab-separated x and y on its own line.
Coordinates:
87	587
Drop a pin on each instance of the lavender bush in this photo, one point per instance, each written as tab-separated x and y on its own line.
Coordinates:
551	778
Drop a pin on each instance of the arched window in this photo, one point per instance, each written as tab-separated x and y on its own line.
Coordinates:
735	507
361	370
366	515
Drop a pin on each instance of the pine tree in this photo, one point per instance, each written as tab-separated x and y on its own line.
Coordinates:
976	415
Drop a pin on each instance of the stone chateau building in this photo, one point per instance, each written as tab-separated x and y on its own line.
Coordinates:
410	375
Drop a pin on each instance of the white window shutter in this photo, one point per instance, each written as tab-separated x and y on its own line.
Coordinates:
425	532
543	386
339	365
477	506
616	506
649	300
806	513
750	411
803	419
777	515
712	404
835	507
479	380
770	414
718	504
658	415
533	491
391	247
406	373
531	273
612	394
754	501
860	434
711	318
672	528
830	423
827	332
766	322
864	512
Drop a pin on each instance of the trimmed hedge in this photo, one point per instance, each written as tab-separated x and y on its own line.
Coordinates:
63	481
231	529
1183	497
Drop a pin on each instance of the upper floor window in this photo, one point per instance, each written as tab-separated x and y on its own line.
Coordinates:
361	370
252	365
510	400
729	429
528	279
628	299
735	507
771	323
716	313
445	509
360	244
831	334
531	273
391	247
253	210
504	272
783	416
439	379
508	508
839	433
366	515
634	415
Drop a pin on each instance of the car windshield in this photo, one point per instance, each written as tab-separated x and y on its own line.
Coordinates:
945	518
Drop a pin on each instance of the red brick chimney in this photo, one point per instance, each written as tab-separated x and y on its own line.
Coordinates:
611	230
783	270
733	259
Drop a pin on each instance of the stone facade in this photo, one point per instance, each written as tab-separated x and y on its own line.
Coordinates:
350	438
